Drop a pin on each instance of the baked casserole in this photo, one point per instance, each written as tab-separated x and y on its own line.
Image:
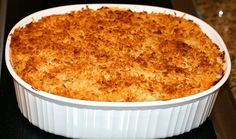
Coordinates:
116	55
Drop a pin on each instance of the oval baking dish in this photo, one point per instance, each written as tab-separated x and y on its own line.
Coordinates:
91	119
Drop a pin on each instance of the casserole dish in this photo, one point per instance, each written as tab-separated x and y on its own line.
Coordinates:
91	119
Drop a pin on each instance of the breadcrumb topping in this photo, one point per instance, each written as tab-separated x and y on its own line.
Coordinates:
116	55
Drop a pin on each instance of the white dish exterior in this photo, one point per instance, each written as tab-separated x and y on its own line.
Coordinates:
90	119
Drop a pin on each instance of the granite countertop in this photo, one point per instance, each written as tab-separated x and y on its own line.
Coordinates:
220	14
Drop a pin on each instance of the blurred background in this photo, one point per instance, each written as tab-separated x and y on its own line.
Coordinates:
221	14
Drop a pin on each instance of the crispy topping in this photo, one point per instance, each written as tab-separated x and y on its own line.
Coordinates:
116	55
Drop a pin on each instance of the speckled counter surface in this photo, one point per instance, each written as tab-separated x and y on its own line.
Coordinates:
221	14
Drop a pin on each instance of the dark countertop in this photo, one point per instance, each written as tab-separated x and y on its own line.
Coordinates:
221	15
2	24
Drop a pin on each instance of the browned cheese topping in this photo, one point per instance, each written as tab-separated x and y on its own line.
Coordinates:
116	55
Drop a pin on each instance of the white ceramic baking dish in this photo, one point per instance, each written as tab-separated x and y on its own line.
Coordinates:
90	119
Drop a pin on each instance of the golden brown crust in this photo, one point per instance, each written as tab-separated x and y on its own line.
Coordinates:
116	55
